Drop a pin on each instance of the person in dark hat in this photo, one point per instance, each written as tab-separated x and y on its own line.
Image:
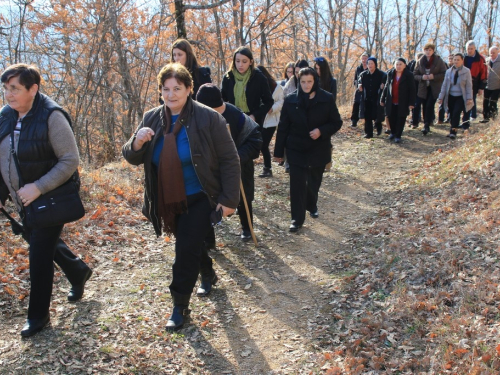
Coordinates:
398	97
371	83
248	140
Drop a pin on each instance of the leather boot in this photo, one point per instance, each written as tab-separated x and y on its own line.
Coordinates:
208	278
34	326
76	291
180	311
266	172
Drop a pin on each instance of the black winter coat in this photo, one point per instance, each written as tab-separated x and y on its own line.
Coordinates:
259	96
202	77
358	94
371	87
296	123
407	93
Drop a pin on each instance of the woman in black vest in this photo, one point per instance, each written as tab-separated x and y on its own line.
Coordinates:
48	157
309	118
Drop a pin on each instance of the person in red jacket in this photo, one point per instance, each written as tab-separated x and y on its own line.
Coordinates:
477	65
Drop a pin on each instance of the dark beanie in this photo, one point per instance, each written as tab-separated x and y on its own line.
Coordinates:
209	95
374	59
402	60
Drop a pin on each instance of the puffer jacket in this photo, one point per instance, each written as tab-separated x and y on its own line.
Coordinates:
213	154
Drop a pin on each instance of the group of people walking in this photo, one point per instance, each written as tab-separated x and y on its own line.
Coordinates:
414	88
197	149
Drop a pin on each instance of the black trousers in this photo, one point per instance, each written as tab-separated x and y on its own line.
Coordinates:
355	112
371	116
456	107
190	252
490	103
304	188
428	105
397	122
242	213
267	135
46	248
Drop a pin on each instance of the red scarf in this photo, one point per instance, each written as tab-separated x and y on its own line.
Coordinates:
172	199
429	62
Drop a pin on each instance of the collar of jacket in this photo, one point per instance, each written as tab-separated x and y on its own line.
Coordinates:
230	74
186	112
321	96
9	116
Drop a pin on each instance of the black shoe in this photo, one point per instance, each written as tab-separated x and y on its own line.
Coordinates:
368	136
484	121
266	172
176	320
397	140
354	124
207	281
287	170
452	136
314	214
294	228
391	137
246	235
425	130
387	131
34	326
76	291
281	163
379	131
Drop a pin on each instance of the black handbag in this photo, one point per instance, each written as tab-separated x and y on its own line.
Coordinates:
57	207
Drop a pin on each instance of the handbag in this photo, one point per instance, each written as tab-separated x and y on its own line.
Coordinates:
57	207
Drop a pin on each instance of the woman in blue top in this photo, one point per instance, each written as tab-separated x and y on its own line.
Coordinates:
191	168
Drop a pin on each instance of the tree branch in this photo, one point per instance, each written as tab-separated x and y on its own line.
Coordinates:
207	6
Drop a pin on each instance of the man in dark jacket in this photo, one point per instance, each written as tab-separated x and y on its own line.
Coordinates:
371	83
357	94
477	65
248	140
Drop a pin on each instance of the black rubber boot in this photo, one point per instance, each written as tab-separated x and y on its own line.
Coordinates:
208	279
180	311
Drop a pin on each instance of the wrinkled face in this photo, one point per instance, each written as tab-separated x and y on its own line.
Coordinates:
458	62
242	63
371	66
318	69
428	52
307	83
289	72
19	97
175	94
471	50
179	56
364	59
493	53
400	66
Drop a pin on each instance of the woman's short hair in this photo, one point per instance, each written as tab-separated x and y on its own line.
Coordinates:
245	51
29	75
177	71
430	45
187	48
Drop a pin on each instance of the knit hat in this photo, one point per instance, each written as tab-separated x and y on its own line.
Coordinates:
374	59
402	60
209	95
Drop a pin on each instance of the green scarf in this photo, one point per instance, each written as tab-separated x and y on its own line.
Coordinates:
240	83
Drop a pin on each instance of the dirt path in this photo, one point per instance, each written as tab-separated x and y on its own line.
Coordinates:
274	308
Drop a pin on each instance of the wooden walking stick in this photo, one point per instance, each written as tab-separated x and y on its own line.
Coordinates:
242	190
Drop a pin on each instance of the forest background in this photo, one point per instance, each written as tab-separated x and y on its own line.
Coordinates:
100	58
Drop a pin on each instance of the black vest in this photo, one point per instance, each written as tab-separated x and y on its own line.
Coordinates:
35	153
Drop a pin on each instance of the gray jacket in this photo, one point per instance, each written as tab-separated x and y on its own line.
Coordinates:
493	74
213	154
465	81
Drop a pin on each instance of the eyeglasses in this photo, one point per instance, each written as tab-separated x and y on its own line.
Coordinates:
319	59
14	91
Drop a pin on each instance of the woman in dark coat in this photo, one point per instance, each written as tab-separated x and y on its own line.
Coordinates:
309	118
247	88
429	73
398	97
326	80
182	52
191	168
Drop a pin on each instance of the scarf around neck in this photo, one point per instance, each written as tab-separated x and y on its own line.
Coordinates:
172	199
240	83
